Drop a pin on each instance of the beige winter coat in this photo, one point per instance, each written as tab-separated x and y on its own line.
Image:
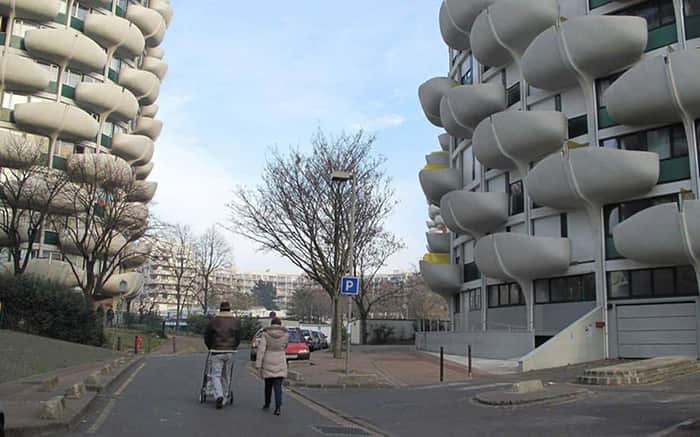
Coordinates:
271	357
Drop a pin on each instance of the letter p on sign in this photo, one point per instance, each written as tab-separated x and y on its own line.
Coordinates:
350	285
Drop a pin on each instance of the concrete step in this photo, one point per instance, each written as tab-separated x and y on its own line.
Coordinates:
641	372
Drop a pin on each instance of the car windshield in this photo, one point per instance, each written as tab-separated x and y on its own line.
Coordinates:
295	337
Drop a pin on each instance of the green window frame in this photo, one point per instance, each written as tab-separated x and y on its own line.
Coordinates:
691	10
578	126
471	272
579	288
513	95
661	21
663	282
51	237
505	295
474	299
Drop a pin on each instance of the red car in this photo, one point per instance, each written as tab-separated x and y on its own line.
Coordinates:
297	349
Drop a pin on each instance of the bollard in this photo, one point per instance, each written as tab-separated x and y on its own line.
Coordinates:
442	364
148	344
469	360
119	344
136	344
174	350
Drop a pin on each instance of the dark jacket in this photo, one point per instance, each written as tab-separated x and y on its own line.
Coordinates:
223	332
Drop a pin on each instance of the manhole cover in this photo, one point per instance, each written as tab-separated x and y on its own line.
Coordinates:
340	430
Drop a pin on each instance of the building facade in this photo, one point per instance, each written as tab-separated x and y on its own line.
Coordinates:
285	284
562	201
79	82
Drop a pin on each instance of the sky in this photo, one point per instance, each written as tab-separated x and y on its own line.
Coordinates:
247	76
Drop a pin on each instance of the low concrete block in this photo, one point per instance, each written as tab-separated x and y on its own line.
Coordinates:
76	391
106	370
53	409
294	376
531	386
94	382
358	380
49	384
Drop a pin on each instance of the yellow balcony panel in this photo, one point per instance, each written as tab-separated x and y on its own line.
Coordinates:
430	93
52	118
106	98
66	47
113	32
35	10
440	158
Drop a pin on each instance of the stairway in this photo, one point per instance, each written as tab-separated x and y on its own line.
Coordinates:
641	372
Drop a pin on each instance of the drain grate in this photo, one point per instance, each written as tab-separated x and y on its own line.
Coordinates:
340	430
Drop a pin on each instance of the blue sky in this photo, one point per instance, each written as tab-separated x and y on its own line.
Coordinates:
244	76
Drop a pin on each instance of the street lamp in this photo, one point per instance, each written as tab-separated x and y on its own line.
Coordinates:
342	177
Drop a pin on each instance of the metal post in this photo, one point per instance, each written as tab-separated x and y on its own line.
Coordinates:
136	344
469	360
353	206
442	363
174	344
119	344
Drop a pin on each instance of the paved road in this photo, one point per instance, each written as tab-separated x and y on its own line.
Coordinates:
162	400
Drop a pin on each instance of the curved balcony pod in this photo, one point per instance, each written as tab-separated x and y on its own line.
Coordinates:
73	241
35	10
58	272
117	243
18	153
676	91
115	33
155	66
149	127
430	93
123	284
151	23
516	138
155	52
144	84
66	47
22	232
149	110
143	191
442	279
52	118
18	73
585	47
592	176
474	213
440	158
164	8
456	19
438	182
503	31
136	149
444	140
107	98
675	238
511	256
433	211
135	254
438	242
134	214
99	169
68	201
463	107
143	171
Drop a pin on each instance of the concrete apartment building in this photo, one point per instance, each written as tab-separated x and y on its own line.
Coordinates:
564	225
80	80
285	284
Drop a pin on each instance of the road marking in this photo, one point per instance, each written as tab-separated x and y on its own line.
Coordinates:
102	417
129	380
671	429
464	386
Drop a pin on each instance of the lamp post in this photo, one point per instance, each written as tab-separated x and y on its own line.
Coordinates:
342	177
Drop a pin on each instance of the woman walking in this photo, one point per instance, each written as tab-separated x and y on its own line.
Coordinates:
271	361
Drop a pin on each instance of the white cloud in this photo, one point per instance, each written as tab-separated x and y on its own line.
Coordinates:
379	123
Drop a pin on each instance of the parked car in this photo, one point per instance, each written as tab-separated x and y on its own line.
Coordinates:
306	333
297	348
315	340
324	340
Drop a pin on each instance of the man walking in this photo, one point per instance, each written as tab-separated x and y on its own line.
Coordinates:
222	334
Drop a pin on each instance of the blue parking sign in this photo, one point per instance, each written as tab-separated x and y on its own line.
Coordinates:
350	285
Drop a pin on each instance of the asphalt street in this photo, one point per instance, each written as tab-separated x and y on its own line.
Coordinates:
161	399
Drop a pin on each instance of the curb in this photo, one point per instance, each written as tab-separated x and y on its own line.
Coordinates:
335	386
70	423
506	401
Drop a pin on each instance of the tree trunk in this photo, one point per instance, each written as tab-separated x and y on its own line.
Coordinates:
337	328
363	327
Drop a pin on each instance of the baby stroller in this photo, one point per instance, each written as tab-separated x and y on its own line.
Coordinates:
226	376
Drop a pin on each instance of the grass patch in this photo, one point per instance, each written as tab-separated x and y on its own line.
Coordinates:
149	340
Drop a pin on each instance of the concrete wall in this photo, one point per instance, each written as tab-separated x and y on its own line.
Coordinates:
580	342
499	345
503	317
403	330
552	318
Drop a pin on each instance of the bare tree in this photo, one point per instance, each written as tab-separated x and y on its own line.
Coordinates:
176	247
423	303
310	304
29	189
212	253
299	213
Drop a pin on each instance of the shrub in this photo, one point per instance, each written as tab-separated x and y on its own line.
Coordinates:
39	307
197	324
249	326
382	334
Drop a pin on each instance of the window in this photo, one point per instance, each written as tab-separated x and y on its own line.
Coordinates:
505	295
668	142
557	103
602	85
50	237
471	272
692	18
652	283
457	301
467	77
474	299
661	21
578	126
513	94
565	289
598	3
564	225
516	198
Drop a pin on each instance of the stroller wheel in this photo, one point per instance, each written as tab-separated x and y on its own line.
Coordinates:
230	398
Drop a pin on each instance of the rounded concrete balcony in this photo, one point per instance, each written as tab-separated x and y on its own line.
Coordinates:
135	255
35	10
510	256
149	110
676	90
113	32
155	66
150	127
144	84
22	233
164	8
438	182
143	171
126	284
433	211
588	47
155	52
136	149
134	214
99	169
438	242
66	47
68	201
151	23
17	153
444	140
463	107
74	240
440	158
474	213
456	19
431	93
443	279
107	98
516	138
506	28
21	74
592	176
143	191
58	272
52	118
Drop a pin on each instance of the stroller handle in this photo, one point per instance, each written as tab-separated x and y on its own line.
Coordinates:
222	351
